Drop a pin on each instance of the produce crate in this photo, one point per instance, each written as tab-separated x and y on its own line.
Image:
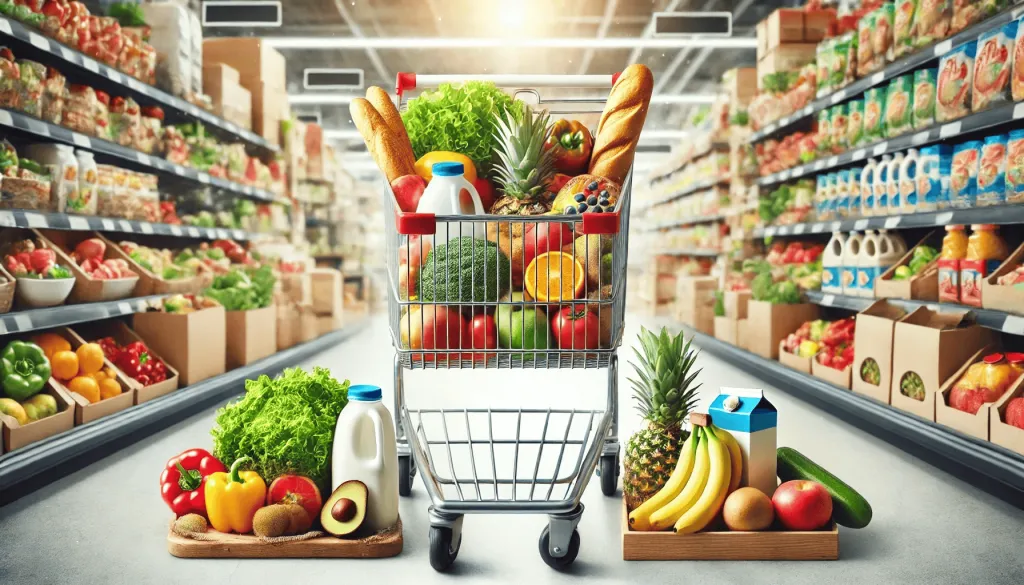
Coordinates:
87	289
726	330
7	284
923	286
975	425
770	545
251	335
833	376
1003	434
85	411
872	340
792	360
16	436
768	324
152	284
194	343
1001	298
123	335
9	236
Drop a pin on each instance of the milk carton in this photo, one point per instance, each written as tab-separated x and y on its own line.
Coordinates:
843	193
881	186
832	264
877	253
867	188
892	185
752	420
851	259
908	182
934	168
856	196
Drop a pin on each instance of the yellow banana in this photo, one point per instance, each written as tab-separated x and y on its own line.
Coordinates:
735	457
665	517
711	499
639	519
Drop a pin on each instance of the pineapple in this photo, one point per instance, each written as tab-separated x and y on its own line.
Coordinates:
525	167
665	394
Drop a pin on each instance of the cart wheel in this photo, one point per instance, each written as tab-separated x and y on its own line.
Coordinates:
563	561
442	551
609	472
405	472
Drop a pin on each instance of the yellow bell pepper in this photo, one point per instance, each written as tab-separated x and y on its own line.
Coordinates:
424	166
232	498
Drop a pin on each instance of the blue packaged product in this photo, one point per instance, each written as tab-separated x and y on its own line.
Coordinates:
1015	167
933	177
854	190
992	171
843	193
821	197
829	207
963	176
882	186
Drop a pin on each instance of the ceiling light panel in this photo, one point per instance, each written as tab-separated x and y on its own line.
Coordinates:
327	43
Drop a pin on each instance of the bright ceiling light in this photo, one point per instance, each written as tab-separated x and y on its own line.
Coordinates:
511	15
506	43
326	99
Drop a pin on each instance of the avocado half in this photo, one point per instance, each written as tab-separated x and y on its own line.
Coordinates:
343	513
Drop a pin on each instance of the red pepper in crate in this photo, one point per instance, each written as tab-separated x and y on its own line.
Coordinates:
183	481
135	360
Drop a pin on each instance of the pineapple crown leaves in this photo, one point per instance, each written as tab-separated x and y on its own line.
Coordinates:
526	166
665	392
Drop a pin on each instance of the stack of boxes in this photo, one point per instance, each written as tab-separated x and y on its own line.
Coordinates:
695	302
788	39
262	71
327	299
177	37
231	101
727	328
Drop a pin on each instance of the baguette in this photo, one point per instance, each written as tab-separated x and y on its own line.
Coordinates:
621	122
383	146
387	110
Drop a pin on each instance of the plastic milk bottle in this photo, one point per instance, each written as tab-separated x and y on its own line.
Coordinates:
832	264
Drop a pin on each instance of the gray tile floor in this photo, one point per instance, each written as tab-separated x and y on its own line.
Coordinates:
107	524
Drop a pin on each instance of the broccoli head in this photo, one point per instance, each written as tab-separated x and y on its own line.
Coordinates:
464	270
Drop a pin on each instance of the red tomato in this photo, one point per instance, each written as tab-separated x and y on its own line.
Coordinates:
481	333
575	327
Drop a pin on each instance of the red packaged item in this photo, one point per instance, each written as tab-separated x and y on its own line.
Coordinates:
54	96
105	40
57	13
173	146
10	80
101	114
125	121
149	129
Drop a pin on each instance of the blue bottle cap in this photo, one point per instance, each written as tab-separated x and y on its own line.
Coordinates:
364	393
448	169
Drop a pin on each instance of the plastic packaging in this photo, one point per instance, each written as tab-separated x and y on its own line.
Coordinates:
54	96
832	264
953	86
932	21
1017	82
899	106
9	76
114	197
101	111
844	58
867	188
882	36
907	198
86	202
874	114
80	109
992	171
992	67
899	245
881	186
842	193
839	123
853	192
821	196
125	121
26	186
855	123
825	131
149	197
986	250
851	260
443	197
62	166
877	254
30	87
865	46
823	56
924	98
903	27
892	186
933	177
963	179
1015	167
968	12
828	209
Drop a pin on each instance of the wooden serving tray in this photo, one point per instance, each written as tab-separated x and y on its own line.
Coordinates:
219	545
771	545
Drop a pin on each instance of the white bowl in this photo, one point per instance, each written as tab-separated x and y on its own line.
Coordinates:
118	288
42	292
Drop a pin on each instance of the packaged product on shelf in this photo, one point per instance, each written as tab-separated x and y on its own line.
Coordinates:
1017	83
882	37
825	131
842	200
854	192
80	109
867	188
113	197
933	177
149	197
1015	167
86	201
881	186
820	196
984	382
968	12
904	26
865	44
9	76
839	124
986	250
823	66
173	146
54	96
149	129
855	123
908	174
924	98
25	183
237	161
898	106
102	114
30	87
62	166
125	121
992	67
932	21
963	178
104	41
137	58
892	185
953	86
954	250
992	171
844	61
832	265
874	114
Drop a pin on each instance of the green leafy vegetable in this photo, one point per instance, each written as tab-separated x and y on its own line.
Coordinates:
719	303
764	287
464	270
240	290
286	424
127	13
458	118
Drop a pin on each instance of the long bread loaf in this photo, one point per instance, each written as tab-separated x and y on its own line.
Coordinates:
387	110
382	144
621	123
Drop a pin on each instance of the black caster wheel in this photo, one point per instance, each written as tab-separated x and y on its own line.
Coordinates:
406	470
609	472
442	550
563	561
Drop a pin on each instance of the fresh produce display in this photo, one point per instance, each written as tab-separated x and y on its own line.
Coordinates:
29	259
296	490
234	497
572	144
922	257
464	270
849	508
836	347
89	255
24	369
770	285
986	381
135	360
526	166
243	289
183	481
83	370
788	204
183	304
806	341
1015	412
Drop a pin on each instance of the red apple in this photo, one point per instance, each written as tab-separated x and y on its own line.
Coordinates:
481	333
967	400
1015	412
432	327
485	189
408	190
542	238
802	505
557	182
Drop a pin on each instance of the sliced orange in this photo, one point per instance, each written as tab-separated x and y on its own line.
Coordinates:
554	277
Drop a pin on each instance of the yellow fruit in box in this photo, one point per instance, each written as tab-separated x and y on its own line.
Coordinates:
14	410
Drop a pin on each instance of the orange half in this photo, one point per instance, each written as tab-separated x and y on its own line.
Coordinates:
554	277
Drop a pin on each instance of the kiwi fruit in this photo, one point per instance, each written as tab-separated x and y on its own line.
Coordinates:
190	524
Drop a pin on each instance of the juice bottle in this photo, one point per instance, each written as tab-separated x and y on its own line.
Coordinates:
832	264
851	259
954	249
985	252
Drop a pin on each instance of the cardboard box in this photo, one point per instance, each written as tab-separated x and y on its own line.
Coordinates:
288	325
695	302
975	425
218	74
314	142
1003	434
922	286
16	436
231	100
251	335
742	85
833	376
791	360
87	289
256	62
85	411
151	283
326	291
194	344
297	288
742	334
790	57
327	323
817	24
753	424
124	335
736	304
872	340
726	330
171	36
761	32
267	103
1004	298
772	323
785	25
308	325
932	345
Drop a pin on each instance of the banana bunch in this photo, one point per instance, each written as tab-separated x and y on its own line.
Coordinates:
709	468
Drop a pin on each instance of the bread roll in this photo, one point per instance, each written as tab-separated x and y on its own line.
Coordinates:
621	123
387	110
383	146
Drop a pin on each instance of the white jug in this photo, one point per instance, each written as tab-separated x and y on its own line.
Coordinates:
908	182
442	197
832	265
881	187
867	188
851	258
892	186
364	449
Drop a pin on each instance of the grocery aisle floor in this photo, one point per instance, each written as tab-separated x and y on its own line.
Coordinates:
107	524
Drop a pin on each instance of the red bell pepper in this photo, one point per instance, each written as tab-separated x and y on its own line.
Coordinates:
183	481
42	260
572	144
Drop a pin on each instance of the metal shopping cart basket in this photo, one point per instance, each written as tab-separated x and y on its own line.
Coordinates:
522	460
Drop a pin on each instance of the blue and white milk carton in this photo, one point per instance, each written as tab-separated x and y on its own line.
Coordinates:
752	420
934	167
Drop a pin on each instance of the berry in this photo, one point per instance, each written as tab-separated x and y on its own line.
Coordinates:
570	210
581	207
604	202
592	186
592	200
580	197
604	193
597	210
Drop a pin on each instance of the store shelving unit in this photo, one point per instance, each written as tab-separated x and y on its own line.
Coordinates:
63	315
67	221
686	222
695	252
701	186
966	456
31	467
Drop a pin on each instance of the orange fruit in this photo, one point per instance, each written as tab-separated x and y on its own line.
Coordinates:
109	388
554	277
64	365
86	387
51	343
90	358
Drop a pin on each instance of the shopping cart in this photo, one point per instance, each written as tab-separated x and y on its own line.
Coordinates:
465	454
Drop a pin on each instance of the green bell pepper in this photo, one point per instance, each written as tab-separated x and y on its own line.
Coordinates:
24	369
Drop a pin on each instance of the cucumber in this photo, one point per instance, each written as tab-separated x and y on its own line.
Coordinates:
849	508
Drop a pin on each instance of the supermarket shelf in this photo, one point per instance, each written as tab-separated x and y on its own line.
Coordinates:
722	145
24	470
686	222
702	186
53	133
75	65
895	69
63	315
690	252
999	215
998	320
944	447
936	133
66	221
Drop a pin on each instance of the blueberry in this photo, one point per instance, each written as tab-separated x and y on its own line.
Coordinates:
604	201
604	193
597	210
570	210
581	207
592	186
591	200
580	197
